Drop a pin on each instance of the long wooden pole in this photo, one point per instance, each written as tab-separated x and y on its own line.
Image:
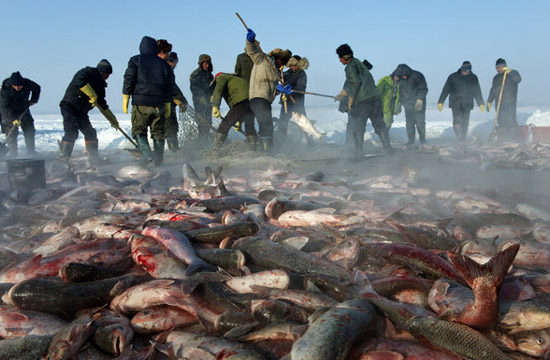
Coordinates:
265	57
312	93
500	98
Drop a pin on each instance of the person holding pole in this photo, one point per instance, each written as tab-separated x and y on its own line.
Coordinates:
85	91
505	91
264	86
14	110
363	100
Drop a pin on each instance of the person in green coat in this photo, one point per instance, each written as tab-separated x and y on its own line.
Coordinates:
363	100
389	95
234	90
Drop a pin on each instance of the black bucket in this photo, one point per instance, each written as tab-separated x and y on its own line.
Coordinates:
26	174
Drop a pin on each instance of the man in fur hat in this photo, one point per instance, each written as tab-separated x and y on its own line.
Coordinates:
296	77
201	89
263	86
363	100
508	128
14	105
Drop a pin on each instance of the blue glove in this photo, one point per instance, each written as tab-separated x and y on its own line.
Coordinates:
250	36
287	89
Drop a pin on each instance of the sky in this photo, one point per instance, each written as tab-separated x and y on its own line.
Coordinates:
49	41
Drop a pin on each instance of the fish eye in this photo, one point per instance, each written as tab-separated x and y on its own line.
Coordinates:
540	341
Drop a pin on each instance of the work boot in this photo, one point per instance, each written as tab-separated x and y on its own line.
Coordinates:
266	144
172	143
217	145
65	150
358	140
29	144
92	150
386	142
252	141
144	149
158	155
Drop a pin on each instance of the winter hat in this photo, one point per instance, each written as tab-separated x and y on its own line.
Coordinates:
466	66
163	46
104	66
204	57
282	54
16	79
344	51
501	62
172	57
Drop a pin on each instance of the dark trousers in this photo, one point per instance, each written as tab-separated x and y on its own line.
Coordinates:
461	121
27	125
144	117
262	111
414	118
239	112
508	128
75	120
361	112
171	127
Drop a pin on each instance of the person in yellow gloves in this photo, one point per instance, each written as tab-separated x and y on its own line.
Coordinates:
85	91
463	87
149	80
16	96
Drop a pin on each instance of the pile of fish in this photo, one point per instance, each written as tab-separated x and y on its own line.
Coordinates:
526	156
269	265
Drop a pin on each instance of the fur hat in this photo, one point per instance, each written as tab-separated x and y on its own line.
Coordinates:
204	57
301	62
466	66
344	50
172	57
104	66
16	79
280	53
163	46
501	62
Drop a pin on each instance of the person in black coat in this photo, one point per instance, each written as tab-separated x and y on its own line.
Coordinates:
150	82
14	110
463	87
508	128
86	90
202	87
412	93
296	77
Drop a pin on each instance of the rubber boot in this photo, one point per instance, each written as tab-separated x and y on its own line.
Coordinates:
386	142
11	142
266	144
29	144
358	140
92	150
252	141
65	150
144	149
158	155
217	145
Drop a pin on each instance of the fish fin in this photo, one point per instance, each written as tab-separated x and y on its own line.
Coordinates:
240	331
448	315
295	196
320	311
222	188
326	210
14	316
299	331
18	331
198	266
32	263
260	290
210	179
363	285
496	267
396	212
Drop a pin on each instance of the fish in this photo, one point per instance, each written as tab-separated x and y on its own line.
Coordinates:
455	337
279	256
30	347
525	315
68	341
178	245
277	206
112	332
65	237
226	202
270	278
149	255
135	171
306	125
213	235
318	217
228	259
426	239
161	318
266	311
78	272
16	323
54	295
307	300
485	282
331	335
534	343
146	295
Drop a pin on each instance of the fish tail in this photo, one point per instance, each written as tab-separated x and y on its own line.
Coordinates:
198	266
496	267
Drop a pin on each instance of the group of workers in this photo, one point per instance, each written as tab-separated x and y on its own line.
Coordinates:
150	87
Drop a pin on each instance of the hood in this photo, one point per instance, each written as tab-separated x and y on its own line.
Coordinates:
402	70
148	46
